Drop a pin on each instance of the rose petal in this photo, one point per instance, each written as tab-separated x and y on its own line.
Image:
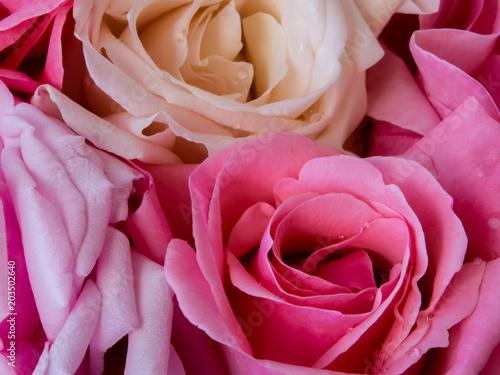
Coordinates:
446	85
394	96
70	346
118	314
469	138
222	326
149	348
266	45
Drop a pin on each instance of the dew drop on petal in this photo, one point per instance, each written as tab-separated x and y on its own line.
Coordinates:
349	330
478	261
242	74
494	222
236	126
431	317
479	173
341	236
414	353
315	117
376	354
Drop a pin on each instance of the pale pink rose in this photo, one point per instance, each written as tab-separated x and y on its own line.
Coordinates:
78	285
311	262
216	72
36	43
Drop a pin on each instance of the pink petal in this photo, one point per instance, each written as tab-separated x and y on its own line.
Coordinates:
171	185
447	85
196	299
70	346
149	348
469	138
118	314
394	96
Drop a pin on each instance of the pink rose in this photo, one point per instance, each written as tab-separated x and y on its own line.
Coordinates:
36	42
75	285
456	54
308	261
448	120
215	72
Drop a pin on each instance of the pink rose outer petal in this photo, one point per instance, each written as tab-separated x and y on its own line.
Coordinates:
115	281
149	350
446	85
457	303
394	96
49	257
196	298
474	339
70	346
468	138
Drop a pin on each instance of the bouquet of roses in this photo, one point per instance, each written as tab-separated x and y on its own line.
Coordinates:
250	187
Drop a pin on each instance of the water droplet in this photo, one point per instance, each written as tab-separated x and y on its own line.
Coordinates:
236	126
478	261
431	317
349	330
494	222
242	74
376	354
315	117
385	275
479	173
341	236
414	353
384	370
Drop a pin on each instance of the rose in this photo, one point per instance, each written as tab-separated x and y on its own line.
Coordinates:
457	57
69	277
200	70
35	35
308	260
449	117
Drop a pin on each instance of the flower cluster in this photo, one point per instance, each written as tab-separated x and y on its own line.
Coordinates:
250	187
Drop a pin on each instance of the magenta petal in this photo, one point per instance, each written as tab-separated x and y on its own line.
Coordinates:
149	348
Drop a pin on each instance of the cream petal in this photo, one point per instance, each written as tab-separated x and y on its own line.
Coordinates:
222	36
166	39
266	49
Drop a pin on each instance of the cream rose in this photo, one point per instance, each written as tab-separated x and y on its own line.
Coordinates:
215	72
